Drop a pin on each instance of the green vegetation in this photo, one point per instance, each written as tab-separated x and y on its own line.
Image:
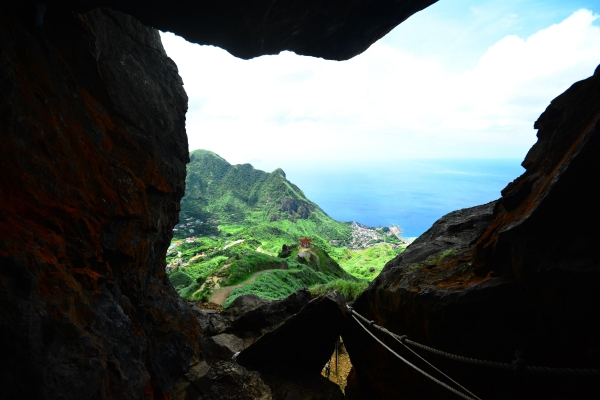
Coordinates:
277	284
366	263
350	290
240	270
239	201
234	221
437	258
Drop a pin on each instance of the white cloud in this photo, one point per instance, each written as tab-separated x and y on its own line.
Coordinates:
384	104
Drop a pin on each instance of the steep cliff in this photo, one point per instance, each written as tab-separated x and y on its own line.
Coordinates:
92	115
518	284
93	155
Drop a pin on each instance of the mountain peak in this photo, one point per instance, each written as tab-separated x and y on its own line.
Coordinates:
199	153
279	171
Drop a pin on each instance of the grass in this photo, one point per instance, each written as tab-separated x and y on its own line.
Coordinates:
242	269
349	289
278	284
366	263
239	200
225	203
187	280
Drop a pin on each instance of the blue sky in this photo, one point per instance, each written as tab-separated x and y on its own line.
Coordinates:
460	79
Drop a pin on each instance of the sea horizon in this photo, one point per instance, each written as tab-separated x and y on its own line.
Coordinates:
411	194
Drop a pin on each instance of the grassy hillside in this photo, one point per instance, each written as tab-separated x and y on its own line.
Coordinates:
366	263
199	274
234	221
243	201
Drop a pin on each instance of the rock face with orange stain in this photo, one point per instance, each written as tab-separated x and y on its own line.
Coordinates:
518	276
92	161
93	154
92	116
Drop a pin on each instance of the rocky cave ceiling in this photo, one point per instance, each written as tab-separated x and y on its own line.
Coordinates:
335	29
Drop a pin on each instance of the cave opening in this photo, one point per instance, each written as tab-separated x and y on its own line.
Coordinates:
94	154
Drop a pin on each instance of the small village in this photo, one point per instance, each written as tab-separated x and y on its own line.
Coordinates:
364	236
190	225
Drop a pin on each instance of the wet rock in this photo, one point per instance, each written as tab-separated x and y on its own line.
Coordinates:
303	343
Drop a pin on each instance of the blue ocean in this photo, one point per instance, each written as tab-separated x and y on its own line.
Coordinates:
412	194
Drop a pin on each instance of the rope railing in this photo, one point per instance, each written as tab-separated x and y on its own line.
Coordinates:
517	365
444	385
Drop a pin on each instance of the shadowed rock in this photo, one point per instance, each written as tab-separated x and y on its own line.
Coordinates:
332	29
222	346
92	115
303	343
252	316
523	282
247	318
453	233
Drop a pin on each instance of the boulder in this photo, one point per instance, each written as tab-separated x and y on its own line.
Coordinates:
211	322
451	234
250	316
301	345
223	380
222	346
514	286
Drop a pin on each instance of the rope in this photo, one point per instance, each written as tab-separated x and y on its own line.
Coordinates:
517	365
459	393
468	360
434	367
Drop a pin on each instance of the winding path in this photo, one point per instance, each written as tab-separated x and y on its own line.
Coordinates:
220	295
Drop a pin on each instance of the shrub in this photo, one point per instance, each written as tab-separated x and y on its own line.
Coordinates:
278	284
180	280
242	269
187	292
349	289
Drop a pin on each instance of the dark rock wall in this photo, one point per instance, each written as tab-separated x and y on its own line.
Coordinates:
92	117
548	218
487	283
332	29
92	161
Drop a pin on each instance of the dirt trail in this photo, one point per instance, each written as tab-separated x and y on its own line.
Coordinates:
221	294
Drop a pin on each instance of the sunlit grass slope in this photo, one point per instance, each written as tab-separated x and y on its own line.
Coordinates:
366	263
237	220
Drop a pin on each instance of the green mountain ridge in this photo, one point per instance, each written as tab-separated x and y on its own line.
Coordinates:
242	200
238	233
